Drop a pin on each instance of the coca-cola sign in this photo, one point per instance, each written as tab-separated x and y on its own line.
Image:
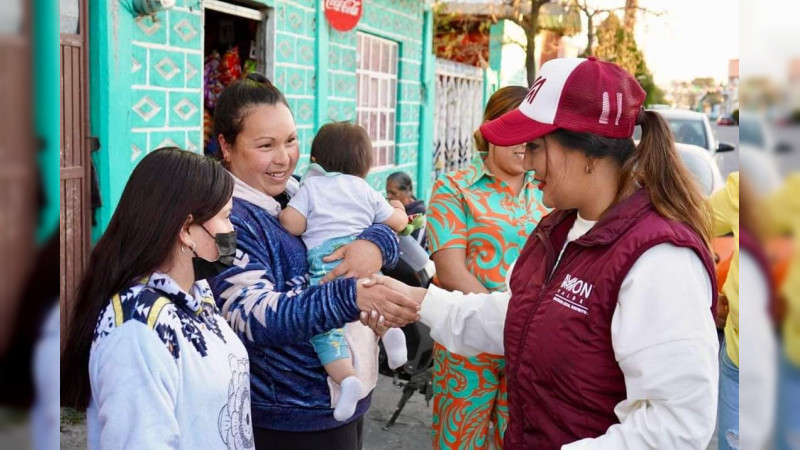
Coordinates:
343	15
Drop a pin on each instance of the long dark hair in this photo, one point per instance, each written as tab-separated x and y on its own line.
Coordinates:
166	187
235	102
654	164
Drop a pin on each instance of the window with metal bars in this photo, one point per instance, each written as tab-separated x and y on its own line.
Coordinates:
376	105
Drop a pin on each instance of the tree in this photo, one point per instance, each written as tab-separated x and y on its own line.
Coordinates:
593	14
616	44
631	8
525	13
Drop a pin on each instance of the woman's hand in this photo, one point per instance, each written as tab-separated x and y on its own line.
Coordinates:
373	318
375	321
361	259
396	308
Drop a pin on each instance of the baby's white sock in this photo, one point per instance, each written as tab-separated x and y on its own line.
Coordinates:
348	398
394	342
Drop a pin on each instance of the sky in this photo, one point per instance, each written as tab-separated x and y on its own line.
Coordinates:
693	38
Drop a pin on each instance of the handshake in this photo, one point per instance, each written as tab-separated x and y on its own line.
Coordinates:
387	303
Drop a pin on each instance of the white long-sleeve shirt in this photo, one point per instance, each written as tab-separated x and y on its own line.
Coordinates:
663	336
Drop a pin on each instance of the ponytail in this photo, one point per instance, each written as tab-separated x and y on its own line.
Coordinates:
673	191
654	164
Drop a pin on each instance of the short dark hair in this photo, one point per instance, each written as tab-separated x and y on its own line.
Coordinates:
402	180
343	147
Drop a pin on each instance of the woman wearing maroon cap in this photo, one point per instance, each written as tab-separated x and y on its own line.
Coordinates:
607	326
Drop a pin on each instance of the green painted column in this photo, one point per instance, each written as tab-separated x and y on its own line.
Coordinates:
491	76
322	47
110	32
428	72
47	120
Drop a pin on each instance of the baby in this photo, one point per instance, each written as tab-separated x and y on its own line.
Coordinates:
332	207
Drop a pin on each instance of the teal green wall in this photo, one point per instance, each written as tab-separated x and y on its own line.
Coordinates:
146	81
47	119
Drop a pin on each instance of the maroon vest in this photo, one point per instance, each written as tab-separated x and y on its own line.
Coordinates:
563	378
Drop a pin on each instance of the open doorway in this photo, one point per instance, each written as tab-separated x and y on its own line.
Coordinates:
235	44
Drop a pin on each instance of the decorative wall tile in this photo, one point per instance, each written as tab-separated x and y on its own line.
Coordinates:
138	65
151	28
159	139
185	109
194	141
185	30
166	68
193	73
148	109
138	146
306	54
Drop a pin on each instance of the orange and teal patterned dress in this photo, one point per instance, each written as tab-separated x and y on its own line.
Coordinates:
474	210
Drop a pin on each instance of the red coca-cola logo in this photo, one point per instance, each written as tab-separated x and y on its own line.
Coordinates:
343	15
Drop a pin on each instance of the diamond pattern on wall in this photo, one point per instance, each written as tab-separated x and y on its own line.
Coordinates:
305	112
185	109
285	47
191	71
146	108
148	26
167	68
136	152
167	143
295	21
135	65
307	53
185	30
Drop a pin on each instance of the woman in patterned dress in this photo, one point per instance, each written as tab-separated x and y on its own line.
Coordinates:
478	220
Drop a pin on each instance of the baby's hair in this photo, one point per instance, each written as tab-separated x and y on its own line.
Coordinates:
343	147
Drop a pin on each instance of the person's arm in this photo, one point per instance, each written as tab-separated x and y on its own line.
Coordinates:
447	239
375	249
665	341
135	384
294	216
265	314
452	273
725	205
466	324
293	221
398	220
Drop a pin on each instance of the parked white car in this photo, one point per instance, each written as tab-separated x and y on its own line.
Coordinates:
690	127
703	166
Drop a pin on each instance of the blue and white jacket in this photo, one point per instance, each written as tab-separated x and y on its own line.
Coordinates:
167	371
267	301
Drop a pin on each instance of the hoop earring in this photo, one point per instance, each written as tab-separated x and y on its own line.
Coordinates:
190	250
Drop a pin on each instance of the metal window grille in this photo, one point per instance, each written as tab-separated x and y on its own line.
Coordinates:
376	105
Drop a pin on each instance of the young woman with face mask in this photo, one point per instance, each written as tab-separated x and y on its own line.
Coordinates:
148	355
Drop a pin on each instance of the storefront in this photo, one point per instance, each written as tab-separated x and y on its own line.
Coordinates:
155	78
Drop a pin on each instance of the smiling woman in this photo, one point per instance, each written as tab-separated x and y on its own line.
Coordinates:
478	221
266	295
